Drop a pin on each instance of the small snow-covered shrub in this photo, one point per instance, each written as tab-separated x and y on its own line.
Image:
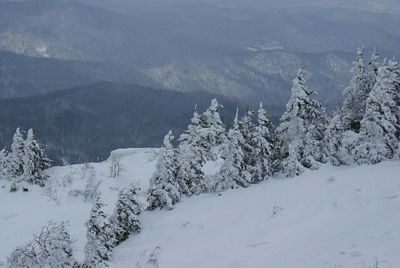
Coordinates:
116	167
52	247
13	187
91	190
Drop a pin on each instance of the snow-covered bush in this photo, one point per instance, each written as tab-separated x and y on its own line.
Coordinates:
115	167
91	190
52	247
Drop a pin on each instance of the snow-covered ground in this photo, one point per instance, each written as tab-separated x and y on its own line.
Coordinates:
333	217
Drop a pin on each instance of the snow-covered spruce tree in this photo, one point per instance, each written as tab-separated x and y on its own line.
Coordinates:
199	143
264	149
16	155
247	129
213	132
100	240
125	219
4	164
164	191
51	248
332	142
380	126
233	173
190	158
373	67
35	161
291	165
301	129
356	94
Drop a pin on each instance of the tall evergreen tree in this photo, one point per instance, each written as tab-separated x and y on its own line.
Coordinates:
380	126
164	189
373	67
301	128
191	158
125	218
213	132
264	147
247	129
99	245
17	154
233	171
35	161
356	94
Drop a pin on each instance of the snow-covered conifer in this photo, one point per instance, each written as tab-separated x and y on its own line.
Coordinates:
263	141
373	67
213	132
291	165
198	144
356	94
332	142
247	129
233	171
125	217
4	164
301	128
100	240
35	161
17	154
380	126
191	158
164	191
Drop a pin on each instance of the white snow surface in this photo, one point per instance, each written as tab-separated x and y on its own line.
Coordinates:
333	217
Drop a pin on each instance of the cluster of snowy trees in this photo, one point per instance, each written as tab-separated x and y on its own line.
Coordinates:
25	161
104	232
366	130
53	246
247	150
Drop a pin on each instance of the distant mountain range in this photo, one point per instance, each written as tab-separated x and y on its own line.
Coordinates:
244	50
85	123
22	76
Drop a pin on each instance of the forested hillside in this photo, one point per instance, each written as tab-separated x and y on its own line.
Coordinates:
86	122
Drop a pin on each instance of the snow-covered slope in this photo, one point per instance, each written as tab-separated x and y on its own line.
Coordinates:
333	217
23	214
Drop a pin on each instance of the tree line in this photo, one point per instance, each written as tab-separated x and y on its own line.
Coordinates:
365	130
